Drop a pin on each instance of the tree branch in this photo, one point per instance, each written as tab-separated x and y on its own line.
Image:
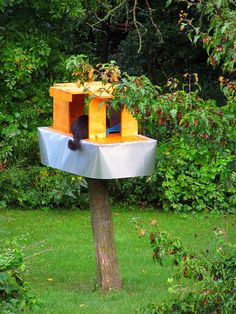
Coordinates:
136	25
153	23
106	17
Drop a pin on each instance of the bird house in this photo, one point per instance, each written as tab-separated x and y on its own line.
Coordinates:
114	149
68	104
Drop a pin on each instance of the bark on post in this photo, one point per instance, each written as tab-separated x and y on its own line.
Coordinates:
108	275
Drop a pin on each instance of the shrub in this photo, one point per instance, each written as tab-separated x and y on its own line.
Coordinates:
203	283
195	159
194	179
15	296
41	187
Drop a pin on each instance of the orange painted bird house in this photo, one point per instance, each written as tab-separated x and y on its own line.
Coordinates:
69	103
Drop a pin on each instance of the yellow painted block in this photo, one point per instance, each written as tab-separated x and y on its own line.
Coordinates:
97	119
64	112
65	90
60	94
129	125
61	118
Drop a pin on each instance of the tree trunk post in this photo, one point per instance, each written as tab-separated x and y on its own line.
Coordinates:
108	275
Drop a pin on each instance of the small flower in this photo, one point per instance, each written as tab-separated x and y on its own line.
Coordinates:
206	292
153	222
141	233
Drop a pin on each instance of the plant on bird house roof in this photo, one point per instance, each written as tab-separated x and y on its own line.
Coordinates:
136	92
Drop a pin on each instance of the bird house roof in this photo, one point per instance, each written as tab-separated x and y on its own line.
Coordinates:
95	88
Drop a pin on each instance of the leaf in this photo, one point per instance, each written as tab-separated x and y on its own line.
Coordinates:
173	113
168	2
190	36
195	39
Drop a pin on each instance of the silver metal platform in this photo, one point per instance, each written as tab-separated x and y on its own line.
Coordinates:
96	160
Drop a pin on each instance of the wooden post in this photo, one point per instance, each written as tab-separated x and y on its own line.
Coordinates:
108	275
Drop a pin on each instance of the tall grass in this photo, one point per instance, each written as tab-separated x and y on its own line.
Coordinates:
62	272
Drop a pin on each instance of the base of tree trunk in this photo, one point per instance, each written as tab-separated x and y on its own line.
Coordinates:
108	275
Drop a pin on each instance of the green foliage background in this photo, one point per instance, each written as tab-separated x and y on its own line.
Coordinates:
195	128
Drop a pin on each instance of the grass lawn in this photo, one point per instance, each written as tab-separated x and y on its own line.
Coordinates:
64	277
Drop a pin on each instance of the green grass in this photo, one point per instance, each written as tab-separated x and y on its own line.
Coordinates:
64	277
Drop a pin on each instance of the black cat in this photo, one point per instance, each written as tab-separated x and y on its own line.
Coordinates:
79	129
